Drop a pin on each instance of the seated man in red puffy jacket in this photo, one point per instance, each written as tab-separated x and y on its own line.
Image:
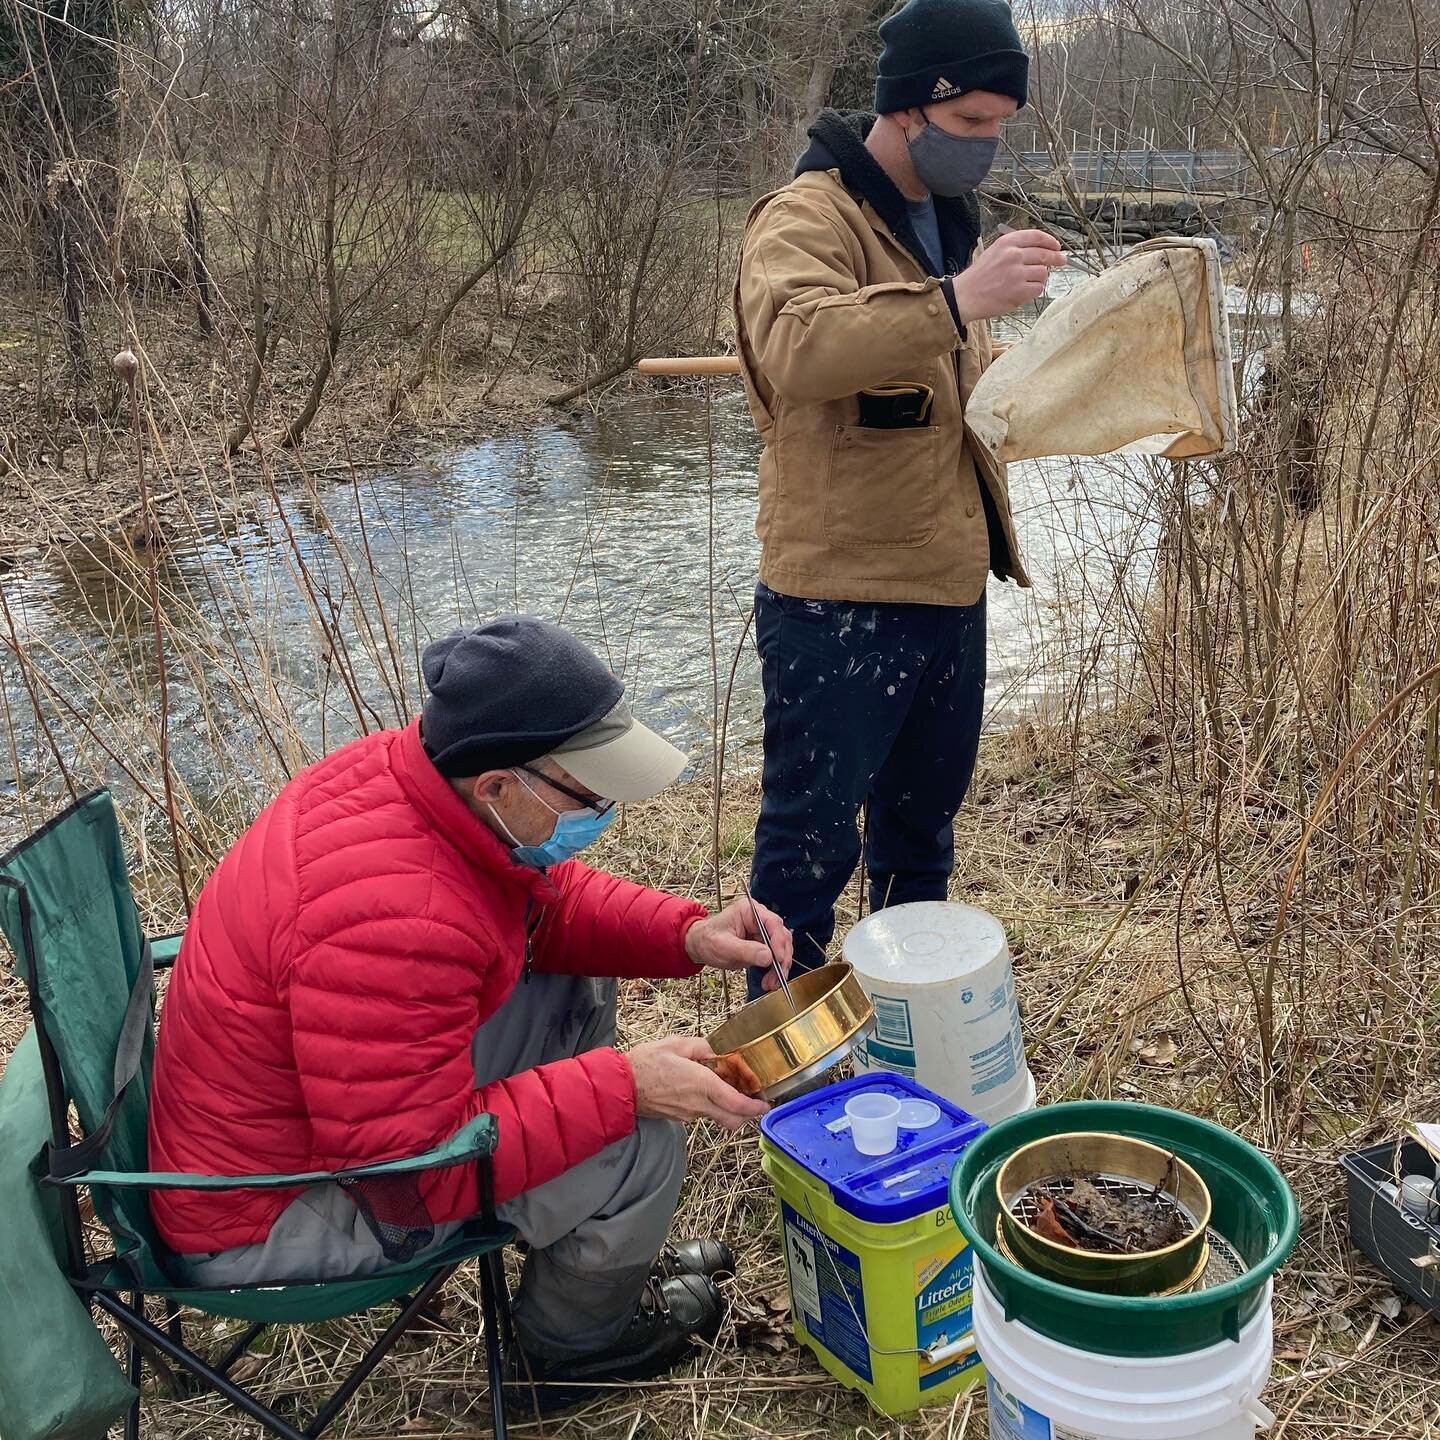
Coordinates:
401	941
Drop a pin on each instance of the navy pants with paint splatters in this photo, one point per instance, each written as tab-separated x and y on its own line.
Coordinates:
877	702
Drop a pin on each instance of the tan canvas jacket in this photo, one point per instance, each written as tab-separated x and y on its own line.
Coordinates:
828	302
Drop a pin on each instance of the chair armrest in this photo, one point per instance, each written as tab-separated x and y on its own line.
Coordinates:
475	1140
164	949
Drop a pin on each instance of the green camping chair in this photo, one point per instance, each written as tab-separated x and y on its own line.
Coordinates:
69	915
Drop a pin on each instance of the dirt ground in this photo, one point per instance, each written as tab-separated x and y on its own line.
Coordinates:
1097	975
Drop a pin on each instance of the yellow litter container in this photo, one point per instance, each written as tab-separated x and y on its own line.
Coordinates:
879	1272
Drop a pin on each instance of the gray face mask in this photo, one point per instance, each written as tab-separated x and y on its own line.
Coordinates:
951	164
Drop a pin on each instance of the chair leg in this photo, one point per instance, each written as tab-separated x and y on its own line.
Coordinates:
135	1323
241	1345
361	1373
495	1301
177	1381
133	1372
496	1260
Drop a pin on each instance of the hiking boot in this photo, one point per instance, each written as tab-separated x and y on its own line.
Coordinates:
695	1257
671	1316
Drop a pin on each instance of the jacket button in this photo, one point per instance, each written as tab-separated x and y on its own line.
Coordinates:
933	309
970	511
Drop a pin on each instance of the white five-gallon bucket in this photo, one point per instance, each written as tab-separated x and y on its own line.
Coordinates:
1040	1389
945	1012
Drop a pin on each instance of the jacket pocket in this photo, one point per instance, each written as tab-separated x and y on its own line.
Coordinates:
883	487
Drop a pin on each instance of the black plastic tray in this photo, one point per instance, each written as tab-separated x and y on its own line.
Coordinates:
1393	1238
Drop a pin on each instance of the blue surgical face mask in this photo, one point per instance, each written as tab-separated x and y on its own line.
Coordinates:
949	164
574	830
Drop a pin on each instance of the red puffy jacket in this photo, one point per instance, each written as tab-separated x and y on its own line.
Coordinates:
335	968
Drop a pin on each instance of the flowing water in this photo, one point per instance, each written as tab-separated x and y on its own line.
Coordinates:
634	527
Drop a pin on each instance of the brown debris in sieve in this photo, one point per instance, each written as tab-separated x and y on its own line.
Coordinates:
1084	1214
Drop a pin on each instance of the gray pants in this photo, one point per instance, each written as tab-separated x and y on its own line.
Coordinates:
592	1231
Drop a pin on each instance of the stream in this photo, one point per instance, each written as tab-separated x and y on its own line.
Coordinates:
634	526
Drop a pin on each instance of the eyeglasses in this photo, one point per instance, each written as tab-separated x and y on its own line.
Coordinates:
590	802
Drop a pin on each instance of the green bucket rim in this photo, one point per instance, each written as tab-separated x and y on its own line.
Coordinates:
1215	1299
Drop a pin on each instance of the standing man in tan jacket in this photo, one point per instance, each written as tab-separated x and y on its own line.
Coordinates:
861	307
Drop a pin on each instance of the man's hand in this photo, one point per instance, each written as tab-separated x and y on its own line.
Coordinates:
670	1082
1011	271
731	941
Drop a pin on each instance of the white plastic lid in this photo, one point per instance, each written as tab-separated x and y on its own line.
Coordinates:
918	1114
925	942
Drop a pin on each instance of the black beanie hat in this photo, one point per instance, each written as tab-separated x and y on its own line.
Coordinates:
937	49
509	692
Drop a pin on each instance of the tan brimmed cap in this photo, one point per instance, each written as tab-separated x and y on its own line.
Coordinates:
619	758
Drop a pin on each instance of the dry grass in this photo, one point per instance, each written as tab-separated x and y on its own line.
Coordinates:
1056	859
67	460
1227	843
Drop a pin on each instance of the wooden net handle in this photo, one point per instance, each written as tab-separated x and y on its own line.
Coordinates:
689	365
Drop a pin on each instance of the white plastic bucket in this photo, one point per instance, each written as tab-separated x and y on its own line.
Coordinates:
1040	1389
945	1012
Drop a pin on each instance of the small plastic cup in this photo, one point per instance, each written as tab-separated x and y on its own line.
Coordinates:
874	1122
1418	1196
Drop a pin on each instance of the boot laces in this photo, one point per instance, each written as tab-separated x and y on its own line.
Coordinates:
655	1294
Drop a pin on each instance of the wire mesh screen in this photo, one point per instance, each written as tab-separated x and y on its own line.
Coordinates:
1223	1262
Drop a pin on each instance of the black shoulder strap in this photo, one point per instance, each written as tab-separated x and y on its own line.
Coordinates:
74	1159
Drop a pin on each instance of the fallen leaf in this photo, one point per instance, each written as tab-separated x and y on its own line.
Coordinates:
1389	1306
1339	1321
762	1322
1160	1051
1047	1224
247	1367
771	1344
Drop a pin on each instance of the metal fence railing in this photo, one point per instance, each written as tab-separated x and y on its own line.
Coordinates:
1190	172
1139	170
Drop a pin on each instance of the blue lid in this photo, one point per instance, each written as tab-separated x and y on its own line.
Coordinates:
882	1189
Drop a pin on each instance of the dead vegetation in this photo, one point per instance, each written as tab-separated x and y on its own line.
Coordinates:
1353	1359
1213	850
1081	1215
1216	847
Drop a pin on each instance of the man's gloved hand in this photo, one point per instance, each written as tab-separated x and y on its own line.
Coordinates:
671	1082
1012	271
731	940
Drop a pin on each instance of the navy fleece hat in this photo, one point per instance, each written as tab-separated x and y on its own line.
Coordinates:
509	692
520	688
937	49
